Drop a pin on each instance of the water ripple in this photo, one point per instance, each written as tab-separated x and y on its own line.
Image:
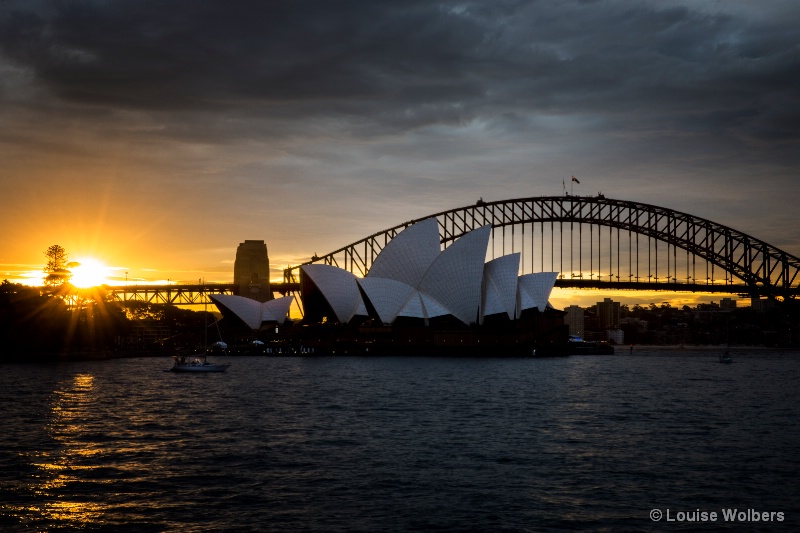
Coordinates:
398	444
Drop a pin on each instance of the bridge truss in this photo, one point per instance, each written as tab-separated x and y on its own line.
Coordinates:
191	294
605	243
178	294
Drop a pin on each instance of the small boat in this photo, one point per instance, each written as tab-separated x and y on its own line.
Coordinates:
726	358
577	346
196	363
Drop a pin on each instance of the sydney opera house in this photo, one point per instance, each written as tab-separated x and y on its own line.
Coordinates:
416	298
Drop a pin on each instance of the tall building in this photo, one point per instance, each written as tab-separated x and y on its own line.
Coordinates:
760	305
251	271
574	320
608	313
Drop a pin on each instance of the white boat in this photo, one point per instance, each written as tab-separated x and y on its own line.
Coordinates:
196	363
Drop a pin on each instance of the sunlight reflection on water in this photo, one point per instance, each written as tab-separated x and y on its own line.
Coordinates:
57	470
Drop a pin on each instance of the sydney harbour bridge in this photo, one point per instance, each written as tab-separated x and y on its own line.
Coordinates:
592	241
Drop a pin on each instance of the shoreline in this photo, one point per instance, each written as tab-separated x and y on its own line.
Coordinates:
623	349
106	355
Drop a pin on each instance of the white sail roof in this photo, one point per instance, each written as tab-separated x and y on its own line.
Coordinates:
535	289
387	296
431	307
277	309
248	310
421	305
500	285
408	256
490	304
413	307
412	278
252	312
339	288
454	279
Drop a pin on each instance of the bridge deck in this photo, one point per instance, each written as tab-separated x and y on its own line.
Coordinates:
196	294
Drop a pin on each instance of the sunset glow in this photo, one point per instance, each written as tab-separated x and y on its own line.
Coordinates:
89	273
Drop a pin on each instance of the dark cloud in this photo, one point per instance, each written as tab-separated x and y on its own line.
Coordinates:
170	55
405	64
183	106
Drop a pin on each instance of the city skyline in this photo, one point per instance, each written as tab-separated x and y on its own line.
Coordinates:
155	138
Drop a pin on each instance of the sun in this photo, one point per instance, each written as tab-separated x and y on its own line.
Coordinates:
89	273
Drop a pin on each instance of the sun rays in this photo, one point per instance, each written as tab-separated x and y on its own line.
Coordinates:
89	272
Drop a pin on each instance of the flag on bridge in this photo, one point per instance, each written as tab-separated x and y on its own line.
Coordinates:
575	179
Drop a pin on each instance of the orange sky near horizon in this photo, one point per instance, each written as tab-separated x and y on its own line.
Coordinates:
32	274
146	254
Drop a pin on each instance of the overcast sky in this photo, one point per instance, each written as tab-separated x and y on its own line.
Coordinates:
157	135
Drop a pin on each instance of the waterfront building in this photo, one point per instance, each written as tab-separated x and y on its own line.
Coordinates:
615	335
413	279
574	319
608	313
761	305
253	313
416	299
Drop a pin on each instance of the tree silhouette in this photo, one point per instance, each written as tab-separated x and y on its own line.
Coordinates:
56	267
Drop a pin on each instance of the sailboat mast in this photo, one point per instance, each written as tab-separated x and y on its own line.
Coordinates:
205	312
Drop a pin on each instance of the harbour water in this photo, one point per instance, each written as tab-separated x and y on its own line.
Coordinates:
599	443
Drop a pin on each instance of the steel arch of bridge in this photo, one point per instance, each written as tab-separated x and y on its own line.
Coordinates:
762	269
